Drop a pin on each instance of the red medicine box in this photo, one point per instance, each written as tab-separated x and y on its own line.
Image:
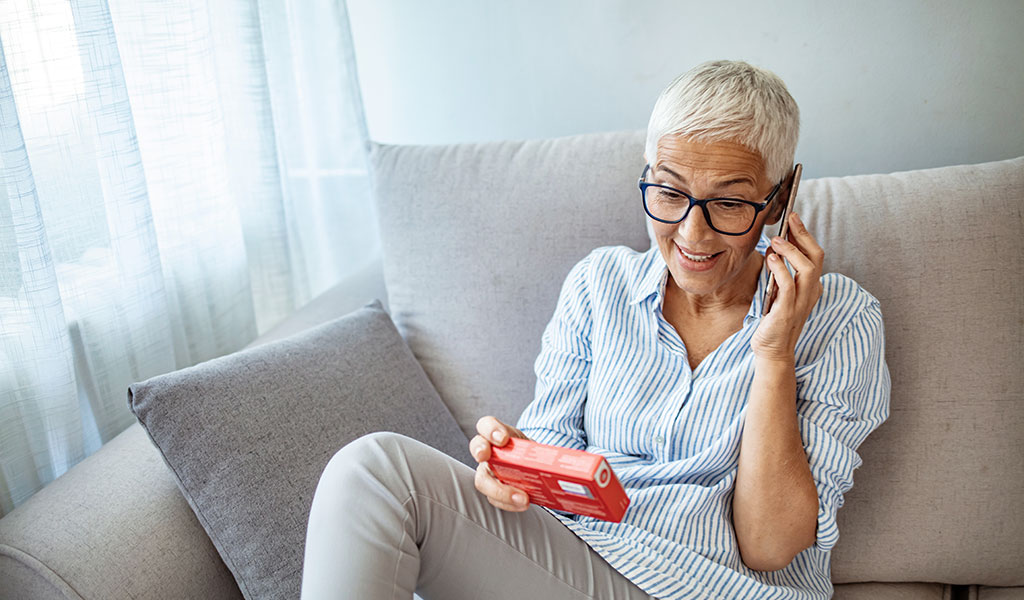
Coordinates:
561	478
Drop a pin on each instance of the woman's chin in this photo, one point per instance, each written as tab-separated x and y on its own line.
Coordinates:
694	283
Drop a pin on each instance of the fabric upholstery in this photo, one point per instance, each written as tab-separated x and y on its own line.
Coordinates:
892	591
1000	593
476	241
940	248
115	526
247	435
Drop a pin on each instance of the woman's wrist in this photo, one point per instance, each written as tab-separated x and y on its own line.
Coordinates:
774	382
784	365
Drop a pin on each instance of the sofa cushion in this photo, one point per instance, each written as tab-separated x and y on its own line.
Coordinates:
247	435
997	593
942	251
892	591
477	239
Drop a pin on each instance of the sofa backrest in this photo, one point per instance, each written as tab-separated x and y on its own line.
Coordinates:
477	239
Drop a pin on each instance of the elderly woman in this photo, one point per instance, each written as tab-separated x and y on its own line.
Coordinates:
733	431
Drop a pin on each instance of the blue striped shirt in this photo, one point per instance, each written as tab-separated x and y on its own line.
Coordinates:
613	378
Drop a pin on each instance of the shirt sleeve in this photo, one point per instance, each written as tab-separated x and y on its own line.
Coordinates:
841	398
563	367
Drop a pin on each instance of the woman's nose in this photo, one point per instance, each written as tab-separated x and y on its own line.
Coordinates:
694	226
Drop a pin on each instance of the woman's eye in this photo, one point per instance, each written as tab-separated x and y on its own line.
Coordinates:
729	205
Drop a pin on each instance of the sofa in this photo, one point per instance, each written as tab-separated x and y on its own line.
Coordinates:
207	495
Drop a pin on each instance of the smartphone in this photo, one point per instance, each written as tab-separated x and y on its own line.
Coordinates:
772	288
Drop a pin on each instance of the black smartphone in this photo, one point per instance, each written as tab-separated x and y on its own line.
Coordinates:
773	288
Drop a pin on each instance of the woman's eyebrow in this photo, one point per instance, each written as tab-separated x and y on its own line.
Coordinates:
678	177
736	181
718	185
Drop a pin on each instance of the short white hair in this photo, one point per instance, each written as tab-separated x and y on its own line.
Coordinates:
729	101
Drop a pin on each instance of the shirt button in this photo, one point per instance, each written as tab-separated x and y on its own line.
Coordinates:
659	439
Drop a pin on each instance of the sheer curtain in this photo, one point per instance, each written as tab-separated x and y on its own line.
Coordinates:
175	178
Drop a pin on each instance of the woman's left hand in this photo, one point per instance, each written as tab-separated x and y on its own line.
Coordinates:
779	330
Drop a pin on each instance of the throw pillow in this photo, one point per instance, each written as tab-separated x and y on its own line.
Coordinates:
248	435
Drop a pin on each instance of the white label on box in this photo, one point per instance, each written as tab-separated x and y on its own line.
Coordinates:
574	488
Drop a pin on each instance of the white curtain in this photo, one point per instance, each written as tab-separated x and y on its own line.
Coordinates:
175	178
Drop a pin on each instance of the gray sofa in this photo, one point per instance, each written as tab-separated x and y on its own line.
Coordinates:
477	239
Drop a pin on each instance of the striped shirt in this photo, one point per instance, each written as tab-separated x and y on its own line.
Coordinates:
613	378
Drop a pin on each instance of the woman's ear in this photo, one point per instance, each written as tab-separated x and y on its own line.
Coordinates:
780	200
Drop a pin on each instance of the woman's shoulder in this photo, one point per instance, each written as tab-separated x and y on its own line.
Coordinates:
843	331
623	255
838	289
843	301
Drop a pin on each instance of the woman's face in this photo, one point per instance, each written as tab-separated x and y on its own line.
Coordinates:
701	261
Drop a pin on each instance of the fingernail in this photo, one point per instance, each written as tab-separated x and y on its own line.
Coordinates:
773	257
496	436
796	218
518	498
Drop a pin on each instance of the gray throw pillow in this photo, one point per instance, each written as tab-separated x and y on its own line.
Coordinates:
247	435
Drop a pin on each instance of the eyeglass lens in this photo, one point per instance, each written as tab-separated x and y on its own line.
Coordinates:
726	215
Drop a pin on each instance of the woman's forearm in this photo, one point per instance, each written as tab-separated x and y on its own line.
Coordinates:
775	504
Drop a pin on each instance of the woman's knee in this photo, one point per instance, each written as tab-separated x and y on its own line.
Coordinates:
376	454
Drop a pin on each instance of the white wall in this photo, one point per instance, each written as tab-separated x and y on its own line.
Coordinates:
883	85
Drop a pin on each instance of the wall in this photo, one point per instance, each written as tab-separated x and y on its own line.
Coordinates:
882	85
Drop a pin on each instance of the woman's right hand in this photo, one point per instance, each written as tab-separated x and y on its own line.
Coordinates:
492	432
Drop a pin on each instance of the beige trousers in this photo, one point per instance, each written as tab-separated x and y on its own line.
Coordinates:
392	516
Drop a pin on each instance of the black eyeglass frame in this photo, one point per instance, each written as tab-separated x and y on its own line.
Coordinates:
758	206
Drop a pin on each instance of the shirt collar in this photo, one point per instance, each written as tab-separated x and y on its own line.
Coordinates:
654	276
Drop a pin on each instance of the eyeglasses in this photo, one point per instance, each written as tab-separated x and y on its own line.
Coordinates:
730	216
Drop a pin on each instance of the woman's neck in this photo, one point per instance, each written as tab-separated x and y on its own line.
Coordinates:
729	299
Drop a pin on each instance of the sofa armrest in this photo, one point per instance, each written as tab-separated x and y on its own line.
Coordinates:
113	526
117	526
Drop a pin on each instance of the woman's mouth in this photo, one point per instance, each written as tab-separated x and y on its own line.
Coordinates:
697	261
